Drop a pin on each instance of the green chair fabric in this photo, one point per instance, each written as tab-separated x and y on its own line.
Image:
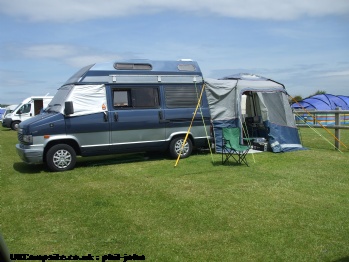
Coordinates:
231	146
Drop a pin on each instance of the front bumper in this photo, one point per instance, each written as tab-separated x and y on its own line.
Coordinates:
30	155
6	122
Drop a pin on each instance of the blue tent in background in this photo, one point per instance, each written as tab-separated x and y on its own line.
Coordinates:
2	111
323	102
345	99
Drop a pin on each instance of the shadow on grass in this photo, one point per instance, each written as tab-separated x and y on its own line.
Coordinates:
344	259
24	168
230	164
119	159
105	160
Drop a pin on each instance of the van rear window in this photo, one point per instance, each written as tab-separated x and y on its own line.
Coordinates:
184	96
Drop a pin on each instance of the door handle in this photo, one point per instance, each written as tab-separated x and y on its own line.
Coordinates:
161	118
105	116
116	116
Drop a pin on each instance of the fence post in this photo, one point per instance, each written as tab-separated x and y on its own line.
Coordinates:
337	130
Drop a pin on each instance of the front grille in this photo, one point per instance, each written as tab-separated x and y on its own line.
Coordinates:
20	137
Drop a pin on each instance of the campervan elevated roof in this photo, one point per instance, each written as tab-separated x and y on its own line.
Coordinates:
143	71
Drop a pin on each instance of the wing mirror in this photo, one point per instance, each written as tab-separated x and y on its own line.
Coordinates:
68	108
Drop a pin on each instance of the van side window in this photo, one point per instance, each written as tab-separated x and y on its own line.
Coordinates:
25	108
121	98
184	96
142	97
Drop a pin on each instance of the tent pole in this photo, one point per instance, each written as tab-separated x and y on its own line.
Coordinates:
245	131
203	121
254	104
191	123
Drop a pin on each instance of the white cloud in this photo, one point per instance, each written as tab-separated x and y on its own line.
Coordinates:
48	51
337	73
83	60
75	56
79	10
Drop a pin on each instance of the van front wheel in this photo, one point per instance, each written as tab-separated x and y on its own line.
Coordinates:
61	157
176	147
14	125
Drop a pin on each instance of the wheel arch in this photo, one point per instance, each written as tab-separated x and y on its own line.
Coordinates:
182	134
71	142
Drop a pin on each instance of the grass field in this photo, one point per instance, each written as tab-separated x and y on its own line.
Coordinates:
284	207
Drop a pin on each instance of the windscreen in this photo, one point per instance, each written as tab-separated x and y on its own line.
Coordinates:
88	99
57	102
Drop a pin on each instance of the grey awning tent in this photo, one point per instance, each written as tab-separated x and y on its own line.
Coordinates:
266	103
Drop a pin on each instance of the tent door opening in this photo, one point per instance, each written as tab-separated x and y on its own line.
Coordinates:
252	117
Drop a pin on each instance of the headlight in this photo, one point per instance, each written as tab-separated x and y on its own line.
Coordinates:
28	139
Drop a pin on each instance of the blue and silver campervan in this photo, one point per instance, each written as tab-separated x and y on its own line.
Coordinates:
119	107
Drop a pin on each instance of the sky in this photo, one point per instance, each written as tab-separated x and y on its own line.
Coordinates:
303	44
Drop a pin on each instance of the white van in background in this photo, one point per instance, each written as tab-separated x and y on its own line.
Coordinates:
8	110
29	107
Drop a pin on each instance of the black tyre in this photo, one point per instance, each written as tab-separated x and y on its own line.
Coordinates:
176	147
61	157
14	125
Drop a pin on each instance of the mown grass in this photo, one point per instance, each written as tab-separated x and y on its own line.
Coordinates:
284	207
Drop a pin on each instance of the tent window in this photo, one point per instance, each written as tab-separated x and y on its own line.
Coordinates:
275	104
184	96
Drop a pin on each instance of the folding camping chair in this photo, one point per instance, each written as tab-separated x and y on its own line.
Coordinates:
231	146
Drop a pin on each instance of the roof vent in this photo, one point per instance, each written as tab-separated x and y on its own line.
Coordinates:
132	66
186	67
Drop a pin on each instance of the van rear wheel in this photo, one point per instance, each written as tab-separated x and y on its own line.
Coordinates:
61	157
176	147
